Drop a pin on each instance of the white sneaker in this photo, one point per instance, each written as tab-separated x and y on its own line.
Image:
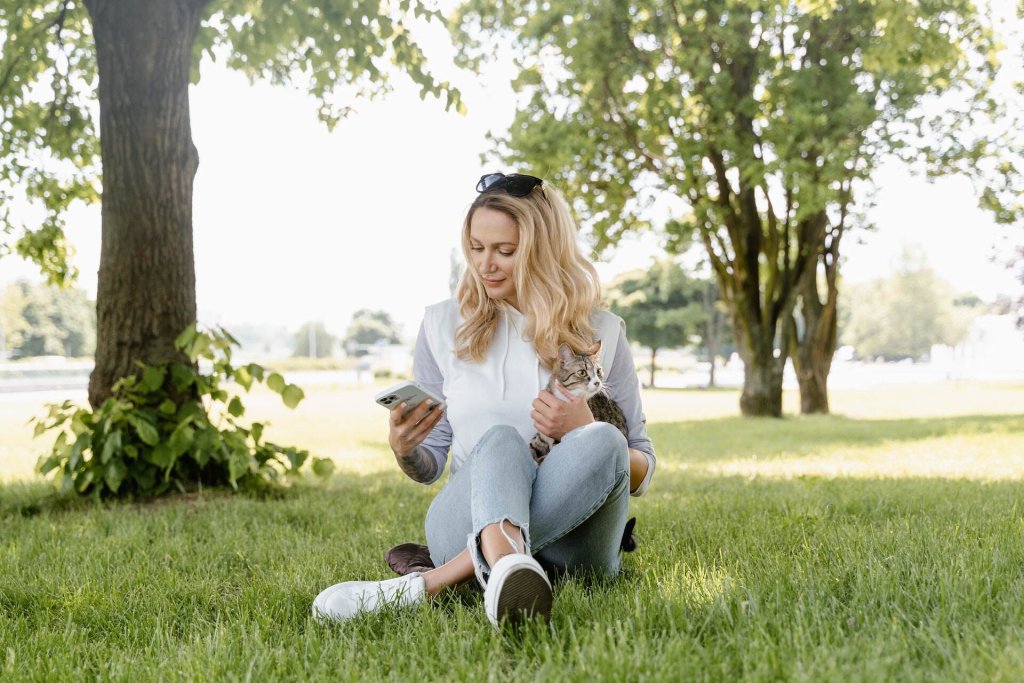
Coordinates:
517	589
349	599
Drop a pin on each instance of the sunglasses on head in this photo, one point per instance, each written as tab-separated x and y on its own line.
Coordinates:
514	184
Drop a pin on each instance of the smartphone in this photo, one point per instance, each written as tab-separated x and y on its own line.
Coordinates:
410	392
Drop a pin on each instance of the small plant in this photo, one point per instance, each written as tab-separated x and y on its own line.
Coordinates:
156	434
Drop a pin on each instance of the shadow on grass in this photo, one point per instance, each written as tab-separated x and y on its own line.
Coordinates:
695	441
710	440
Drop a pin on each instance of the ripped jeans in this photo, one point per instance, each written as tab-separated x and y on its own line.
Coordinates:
572	509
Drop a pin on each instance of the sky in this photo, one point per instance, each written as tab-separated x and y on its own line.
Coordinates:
294	223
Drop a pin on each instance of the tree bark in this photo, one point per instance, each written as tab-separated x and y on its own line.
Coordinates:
711	330
146	287
814	346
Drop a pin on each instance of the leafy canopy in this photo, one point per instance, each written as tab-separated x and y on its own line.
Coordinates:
756	115
49	118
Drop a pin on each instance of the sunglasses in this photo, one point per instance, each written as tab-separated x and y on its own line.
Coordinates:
514	184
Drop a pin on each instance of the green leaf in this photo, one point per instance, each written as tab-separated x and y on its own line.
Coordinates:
181	439
238	464
256	371
47	464
243	377
110	446
182	376
257	432
235	407
292	395
114	474
147	432
275	383
168	407
185	339
323	467
153	378
161	456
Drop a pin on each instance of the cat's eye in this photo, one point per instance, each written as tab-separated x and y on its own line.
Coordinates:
581	373
600	373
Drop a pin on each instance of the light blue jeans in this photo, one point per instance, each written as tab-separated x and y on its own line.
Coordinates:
572	509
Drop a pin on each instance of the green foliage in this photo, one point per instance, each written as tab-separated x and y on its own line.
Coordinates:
370	327
49	127
901	316
661	306
49	146
157	433
313	341
41	320
757	122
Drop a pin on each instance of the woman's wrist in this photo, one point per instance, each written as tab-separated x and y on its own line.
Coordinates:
419	464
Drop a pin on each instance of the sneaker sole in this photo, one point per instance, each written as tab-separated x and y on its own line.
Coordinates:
524	594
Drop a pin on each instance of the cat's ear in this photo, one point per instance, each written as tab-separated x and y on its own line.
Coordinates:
565	355
595	349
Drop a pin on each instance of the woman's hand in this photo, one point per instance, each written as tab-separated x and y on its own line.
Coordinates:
406	432
555	417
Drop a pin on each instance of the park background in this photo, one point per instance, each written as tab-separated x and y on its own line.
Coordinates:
879	542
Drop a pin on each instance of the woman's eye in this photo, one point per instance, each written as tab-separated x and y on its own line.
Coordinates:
476	248
506	254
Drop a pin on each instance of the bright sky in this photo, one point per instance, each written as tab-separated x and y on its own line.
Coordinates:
293	223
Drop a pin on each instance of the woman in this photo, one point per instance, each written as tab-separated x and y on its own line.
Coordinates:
489	353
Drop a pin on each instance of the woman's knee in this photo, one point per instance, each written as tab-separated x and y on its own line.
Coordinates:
604	441
503	441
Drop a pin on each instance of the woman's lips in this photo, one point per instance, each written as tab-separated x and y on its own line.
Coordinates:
491	282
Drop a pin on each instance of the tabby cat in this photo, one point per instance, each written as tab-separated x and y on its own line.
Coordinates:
581	374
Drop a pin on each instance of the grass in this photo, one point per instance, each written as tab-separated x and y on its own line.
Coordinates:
884	543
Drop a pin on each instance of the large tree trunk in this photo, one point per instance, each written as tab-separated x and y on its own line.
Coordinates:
654	352
146	289
814	348
711	329
762	389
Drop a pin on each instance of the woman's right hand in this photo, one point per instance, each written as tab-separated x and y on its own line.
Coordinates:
406	432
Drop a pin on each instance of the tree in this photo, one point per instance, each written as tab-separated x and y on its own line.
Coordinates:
901	316
662	307
44	320
762	118
136	59
370	327
313	341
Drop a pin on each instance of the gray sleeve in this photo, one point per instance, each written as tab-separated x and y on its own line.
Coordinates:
624	389
427	374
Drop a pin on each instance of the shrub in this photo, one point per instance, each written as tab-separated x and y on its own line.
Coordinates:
155	433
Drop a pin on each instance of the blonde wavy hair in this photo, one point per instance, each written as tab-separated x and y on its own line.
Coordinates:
557	288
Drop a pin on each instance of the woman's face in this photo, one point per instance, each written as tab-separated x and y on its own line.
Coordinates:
493	241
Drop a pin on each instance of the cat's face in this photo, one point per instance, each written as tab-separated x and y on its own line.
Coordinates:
580	373
493	240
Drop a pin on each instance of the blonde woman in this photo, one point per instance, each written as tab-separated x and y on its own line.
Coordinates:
489	353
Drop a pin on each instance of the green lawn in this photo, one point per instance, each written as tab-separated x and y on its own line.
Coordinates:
883	543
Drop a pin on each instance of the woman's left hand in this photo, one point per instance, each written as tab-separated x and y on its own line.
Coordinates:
555	417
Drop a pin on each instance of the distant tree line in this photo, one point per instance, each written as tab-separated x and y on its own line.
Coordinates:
43	320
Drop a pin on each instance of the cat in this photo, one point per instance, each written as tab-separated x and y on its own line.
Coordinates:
582	375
